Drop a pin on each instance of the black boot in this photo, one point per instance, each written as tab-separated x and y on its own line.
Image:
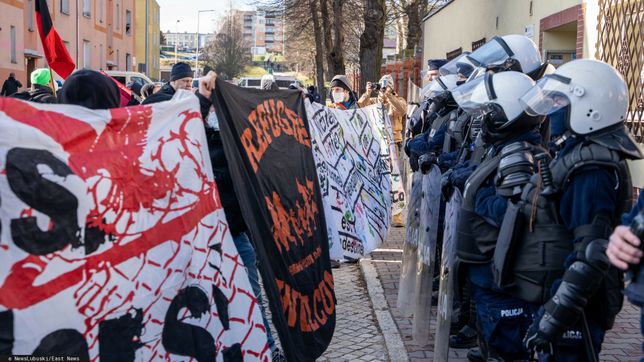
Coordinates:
465	338
474	355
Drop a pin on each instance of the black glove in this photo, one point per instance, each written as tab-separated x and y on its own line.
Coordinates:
460	176
413	162
426	161
536	341
446	185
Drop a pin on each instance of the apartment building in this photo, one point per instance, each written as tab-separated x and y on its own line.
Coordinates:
148	42
99	34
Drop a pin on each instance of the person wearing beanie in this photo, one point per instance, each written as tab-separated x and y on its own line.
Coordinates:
342	95
40	91
90	89
268	83
180	78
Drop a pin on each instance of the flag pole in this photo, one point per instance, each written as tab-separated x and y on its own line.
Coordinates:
51	81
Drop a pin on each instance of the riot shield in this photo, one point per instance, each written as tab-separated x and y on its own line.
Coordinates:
410	248
447	282
429	213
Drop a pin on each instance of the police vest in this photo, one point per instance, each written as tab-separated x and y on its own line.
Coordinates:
475	237
607	302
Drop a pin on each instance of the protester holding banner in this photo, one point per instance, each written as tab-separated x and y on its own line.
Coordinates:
342	96
90	89
180	78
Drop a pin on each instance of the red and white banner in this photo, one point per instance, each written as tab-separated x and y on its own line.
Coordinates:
114	246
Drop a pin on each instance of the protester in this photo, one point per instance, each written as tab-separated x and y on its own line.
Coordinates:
180	78
10	86
40	92
342	96
90	89
181	72
397	109
592	174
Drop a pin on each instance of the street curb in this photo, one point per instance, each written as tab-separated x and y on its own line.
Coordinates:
395	346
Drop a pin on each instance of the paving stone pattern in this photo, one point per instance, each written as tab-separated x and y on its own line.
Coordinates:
623	343
357	336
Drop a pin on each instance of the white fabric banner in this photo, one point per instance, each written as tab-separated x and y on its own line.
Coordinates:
114	245
358	171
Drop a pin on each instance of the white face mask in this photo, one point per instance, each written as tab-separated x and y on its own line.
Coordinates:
338	97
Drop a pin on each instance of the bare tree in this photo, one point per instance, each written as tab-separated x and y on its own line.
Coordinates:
319	47
226	53
371	41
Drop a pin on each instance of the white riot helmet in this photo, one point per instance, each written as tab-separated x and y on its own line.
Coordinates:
499	49
439	85
459	65
495	96
594	91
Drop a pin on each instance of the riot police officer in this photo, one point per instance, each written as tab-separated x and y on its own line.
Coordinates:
593	184
510	134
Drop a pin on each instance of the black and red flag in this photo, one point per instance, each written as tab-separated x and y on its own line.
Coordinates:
55	51
268	148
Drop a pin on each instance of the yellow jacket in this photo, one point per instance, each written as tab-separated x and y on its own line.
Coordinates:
396	108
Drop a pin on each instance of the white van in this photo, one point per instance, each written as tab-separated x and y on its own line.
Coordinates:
248	82
126	78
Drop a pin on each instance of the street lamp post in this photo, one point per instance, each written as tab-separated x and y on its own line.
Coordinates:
197	54
176	39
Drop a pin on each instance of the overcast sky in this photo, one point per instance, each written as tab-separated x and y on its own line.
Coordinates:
186	12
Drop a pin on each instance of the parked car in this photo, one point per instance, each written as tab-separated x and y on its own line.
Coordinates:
126	77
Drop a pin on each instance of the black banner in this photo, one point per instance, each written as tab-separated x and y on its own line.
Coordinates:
268	147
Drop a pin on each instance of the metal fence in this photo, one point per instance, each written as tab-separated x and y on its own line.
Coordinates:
621	43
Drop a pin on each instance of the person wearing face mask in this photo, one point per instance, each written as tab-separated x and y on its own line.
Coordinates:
341	94
592	183
180	78
513	138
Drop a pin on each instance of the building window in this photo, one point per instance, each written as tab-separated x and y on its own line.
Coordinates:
128	22
101	9
87	54
64	6
128	62
100	49
87	8
118	55
14	52
30	5
117	15
67	46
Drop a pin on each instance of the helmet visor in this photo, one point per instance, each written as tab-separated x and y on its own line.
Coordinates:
474	95
547	96
433	89
496	51
459	65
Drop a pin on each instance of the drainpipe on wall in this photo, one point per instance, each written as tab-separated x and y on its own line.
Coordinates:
77	30
147	35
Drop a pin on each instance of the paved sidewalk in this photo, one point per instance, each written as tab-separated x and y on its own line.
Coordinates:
622	343
357	336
